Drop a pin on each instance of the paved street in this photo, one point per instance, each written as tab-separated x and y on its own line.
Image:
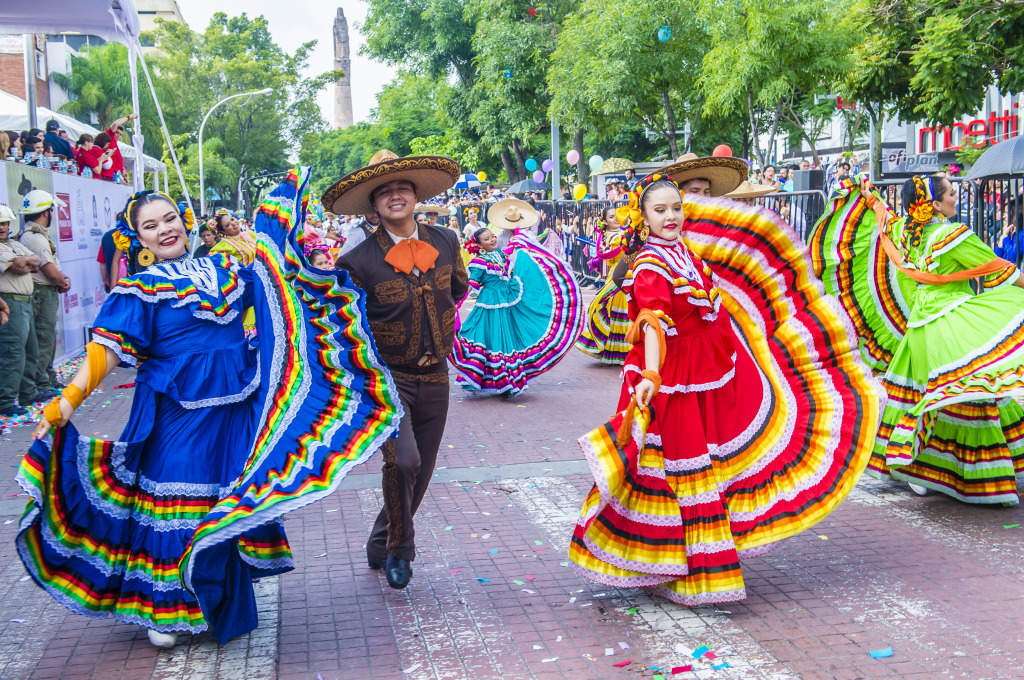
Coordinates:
938	582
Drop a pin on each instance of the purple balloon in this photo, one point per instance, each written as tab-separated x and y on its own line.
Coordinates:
538	175
547	165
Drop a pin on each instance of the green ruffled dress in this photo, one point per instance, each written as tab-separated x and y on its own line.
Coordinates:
951	360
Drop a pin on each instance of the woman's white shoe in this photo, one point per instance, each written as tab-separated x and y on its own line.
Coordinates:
164	640
919	490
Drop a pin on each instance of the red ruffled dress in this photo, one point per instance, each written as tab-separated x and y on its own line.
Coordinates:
762	424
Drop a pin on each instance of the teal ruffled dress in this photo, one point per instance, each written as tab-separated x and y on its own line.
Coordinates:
527	315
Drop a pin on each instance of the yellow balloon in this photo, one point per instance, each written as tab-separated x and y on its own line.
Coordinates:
579	191
482	176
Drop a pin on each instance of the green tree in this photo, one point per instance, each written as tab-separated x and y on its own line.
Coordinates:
771	58
610	64
100	87
407	108
336	153
233	55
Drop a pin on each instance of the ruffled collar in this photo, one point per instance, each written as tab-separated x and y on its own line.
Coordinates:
663	242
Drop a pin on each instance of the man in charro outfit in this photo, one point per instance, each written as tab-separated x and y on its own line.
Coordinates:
414	280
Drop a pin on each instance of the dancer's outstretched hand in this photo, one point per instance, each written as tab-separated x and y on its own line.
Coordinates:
645	391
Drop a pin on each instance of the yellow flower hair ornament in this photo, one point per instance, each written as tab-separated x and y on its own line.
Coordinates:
921	210
631	215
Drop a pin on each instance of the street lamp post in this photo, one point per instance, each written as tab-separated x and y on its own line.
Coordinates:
202	179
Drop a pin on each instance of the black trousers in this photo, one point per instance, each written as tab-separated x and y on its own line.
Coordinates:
408	466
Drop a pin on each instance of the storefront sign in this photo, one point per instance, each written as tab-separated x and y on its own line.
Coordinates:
977	133
898	162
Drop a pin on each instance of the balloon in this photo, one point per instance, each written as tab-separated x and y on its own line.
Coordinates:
595	163
579	191
722	150
547	165
531	164
573	157
538	175
532	12
482	176
664	33
507	73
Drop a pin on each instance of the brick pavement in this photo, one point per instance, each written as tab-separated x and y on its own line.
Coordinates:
939	582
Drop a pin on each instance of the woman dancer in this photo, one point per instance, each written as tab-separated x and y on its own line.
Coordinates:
168	526
604	334
950	359
233	241
527	313
752	406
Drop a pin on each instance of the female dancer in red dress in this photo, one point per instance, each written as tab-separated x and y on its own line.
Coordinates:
754	414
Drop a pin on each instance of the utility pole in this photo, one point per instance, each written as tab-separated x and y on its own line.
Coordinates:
30	79
556	161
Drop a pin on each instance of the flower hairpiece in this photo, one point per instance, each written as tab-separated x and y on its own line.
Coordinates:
471	246
631	217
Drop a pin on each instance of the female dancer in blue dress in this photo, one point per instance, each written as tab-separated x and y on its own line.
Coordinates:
528	312
168	526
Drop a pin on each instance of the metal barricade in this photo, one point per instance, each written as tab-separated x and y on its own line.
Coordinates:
801	209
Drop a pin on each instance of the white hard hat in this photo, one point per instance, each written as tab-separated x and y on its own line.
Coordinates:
7	215
37	200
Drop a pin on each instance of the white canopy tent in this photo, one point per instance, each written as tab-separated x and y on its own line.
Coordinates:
116	20
13	116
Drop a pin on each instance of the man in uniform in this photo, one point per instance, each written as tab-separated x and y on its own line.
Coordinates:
414	279
17	331
37	210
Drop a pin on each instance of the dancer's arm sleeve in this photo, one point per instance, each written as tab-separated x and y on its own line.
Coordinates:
973	252
125	325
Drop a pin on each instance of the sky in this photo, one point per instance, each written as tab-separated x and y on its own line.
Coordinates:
314	20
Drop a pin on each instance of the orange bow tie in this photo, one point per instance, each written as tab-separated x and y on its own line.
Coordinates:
410	253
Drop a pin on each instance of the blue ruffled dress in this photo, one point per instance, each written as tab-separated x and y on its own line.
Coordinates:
167	526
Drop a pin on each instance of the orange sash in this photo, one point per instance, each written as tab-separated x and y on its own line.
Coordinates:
993	266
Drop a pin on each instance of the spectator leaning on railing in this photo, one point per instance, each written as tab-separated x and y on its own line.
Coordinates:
103	151
59	145
115	133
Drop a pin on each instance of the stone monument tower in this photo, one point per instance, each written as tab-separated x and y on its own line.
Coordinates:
342	88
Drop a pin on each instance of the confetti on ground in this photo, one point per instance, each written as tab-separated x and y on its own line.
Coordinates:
700	651
321	555
1011	526
554	658
881	653
519	583
633	610
17	621
485	537
483	580
494	551
528	591
823	537
608	651
454	571
126	386
622	664
538	542
624	645
558	639
448	528
529	578
720	666
412	668
682	669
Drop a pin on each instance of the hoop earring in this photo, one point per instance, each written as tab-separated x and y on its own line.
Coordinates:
145	257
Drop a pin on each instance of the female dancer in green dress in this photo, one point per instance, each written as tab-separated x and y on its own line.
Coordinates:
952	360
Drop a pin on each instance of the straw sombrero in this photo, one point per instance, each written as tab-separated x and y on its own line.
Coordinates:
724	172
748	190
615	165
511	214
438	210
431	175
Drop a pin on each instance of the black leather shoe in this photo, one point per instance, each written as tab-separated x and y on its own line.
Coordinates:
45	395
398	572
374	563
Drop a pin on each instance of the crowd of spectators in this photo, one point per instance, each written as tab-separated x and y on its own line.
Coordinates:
98	157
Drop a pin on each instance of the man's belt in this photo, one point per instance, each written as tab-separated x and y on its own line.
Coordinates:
16	297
